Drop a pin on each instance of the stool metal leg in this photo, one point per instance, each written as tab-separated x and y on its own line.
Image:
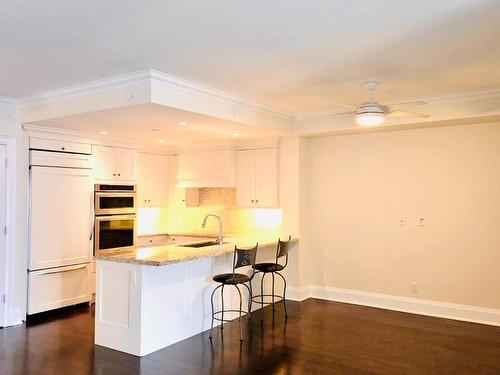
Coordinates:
262	297
272	294
212	304
284	293
249	288
222	303
239	318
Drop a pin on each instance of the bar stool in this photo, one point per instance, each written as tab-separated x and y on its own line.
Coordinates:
273	268
241	258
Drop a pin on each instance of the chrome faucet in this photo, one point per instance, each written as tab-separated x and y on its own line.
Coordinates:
221	227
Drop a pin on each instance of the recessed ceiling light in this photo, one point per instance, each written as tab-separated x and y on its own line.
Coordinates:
161	141
236	134
182	123
103	132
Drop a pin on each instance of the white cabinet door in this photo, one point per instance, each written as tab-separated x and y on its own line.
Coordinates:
143	182
58	287
158	180
257	178
125	164
103	162
114	163
152	182
266	177
245	178
61	217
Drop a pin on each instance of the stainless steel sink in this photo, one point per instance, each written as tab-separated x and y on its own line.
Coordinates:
200	244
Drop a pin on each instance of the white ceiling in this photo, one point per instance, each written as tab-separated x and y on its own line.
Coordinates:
145	124
295	55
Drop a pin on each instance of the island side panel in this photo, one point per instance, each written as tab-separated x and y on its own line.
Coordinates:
118	306
176	300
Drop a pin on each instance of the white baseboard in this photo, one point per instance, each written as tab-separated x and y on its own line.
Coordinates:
297	294
446	310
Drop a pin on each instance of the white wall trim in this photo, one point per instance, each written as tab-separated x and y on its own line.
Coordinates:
11	315
446	310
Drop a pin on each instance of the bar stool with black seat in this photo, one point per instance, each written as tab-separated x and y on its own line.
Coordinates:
241	258
274	269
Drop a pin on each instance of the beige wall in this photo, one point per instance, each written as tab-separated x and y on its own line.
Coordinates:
361	185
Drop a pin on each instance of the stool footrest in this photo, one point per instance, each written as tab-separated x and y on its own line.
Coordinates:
257	298
244	315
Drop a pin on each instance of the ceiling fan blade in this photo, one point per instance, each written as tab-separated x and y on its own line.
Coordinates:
344	105
413	102
398	113
343	113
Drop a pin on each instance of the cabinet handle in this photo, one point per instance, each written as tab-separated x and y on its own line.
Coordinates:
251	201
63	148
119	174
257	201
114	174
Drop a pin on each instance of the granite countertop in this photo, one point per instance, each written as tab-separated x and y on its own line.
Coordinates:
163	255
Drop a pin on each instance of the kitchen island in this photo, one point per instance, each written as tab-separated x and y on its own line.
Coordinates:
152	297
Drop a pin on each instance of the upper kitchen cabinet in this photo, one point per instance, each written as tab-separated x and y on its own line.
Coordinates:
114	163
257	178
214	168
152	182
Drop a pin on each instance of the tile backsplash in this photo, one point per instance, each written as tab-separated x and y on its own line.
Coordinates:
218	201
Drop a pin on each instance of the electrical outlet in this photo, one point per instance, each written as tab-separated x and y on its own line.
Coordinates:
414	287
403	221
421	222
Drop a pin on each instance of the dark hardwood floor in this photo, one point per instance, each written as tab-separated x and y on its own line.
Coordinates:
319	338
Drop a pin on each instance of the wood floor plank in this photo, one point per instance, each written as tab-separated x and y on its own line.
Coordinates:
319	337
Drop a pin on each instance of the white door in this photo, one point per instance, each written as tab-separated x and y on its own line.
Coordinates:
3	183
61	221
245	178
266	177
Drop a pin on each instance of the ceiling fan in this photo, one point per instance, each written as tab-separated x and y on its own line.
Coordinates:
372	113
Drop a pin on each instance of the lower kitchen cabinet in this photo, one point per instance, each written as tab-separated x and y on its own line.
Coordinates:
58	287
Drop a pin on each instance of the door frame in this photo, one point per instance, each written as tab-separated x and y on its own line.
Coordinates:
8	271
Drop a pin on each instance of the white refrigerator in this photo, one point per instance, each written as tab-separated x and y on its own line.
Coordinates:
60	230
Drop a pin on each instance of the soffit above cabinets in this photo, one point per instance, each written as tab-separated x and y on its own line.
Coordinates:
134	104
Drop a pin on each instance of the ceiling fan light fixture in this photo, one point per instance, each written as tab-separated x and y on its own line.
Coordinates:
370	119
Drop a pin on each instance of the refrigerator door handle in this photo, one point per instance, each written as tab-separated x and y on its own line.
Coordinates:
67	269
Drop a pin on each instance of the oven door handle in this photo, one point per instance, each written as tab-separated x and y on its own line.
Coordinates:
115	217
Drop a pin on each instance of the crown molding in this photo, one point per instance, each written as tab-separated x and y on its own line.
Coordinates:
122	80
200	89
38	131
8	102
151	76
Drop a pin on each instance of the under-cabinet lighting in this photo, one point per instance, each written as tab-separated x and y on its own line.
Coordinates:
161	141
103	132
182	123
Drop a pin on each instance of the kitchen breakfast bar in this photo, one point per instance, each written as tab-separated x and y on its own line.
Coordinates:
153	297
